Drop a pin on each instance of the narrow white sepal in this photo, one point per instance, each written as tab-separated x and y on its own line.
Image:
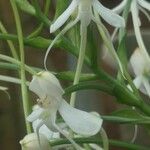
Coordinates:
119	8
35	114
64	16
108	15
79	121
144	4
45	84
138	82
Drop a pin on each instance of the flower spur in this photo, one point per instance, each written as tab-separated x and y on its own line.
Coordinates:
85	16
49	90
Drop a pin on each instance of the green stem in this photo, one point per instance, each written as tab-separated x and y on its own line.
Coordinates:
115	143
24	90
14	61
10	44
37	31
11	79
80	61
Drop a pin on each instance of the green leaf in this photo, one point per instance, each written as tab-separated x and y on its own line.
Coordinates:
37	42
88	85
25	6
69	76
131	115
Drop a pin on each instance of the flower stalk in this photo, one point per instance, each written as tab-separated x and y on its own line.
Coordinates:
24	90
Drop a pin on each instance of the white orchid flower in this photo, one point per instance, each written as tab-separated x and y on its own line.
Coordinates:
85	15
136	6
30	142
50	92
141	68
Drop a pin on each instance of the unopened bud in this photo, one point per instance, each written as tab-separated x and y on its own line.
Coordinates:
30	142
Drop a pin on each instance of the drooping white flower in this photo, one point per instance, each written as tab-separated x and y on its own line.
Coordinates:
50	92
141	68
136	6
30	142
85	14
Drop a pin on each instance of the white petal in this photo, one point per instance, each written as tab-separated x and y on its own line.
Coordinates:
119	8
50	135
46	84
63	17
79	121
138	62
30	142
144	4
35	114
108	15
137	81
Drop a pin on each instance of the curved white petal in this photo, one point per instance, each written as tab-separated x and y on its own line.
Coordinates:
46	84
138	62
108	15
35	114
50	135
79	121
31	142
144	4
138	82
119	8
64	16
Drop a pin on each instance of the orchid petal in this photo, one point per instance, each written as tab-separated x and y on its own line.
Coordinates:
44	84
108	15
138	62
79	121
63	18
138	82
35	114
30	142
119	8
144	4
45	130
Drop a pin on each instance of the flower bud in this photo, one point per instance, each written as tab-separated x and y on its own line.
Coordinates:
30	142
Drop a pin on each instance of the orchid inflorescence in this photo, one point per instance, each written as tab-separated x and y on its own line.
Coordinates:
54	118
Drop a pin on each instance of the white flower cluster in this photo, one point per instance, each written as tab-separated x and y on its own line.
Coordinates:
50	101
